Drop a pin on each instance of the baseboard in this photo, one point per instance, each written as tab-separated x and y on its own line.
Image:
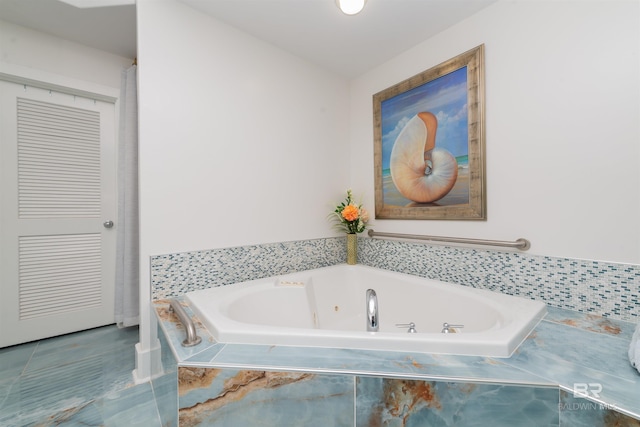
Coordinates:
148	363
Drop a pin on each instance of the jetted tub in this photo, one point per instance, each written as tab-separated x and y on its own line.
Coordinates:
326	307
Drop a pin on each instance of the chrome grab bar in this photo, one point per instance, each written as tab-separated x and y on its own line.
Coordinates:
192	338
522	244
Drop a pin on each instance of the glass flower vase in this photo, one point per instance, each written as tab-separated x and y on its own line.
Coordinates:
352	248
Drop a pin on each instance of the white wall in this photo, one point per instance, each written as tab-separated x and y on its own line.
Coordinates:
38	55
240	142
562	125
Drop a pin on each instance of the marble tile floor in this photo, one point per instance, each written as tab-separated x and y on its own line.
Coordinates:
80	379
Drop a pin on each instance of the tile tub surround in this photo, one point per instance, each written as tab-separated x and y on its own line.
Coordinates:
401	402
229	397
601	288
567	348
165	386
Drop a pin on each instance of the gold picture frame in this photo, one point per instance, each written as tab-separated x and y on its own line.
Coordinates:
429	143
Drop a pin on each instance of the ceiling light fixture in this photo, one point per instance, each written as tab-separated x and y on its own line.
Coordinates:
351	7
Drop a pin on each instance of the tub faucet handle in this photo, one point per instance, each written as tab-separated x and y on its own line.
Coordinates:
410	325
449	329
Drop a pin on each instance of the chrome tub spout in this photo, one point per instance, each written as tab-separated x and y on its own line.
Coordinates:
372	311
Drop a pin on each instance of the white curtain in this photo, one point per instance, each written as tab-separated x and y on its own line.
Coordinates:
127	302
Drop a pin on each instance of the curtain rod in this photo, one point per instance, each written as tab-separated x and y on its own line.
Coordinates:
522	244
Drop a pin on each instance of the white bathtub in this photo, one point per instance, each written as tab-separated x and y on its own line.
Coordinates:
326	307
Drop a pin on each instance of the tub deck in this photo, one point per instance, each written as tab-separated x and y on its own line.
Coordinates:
565	349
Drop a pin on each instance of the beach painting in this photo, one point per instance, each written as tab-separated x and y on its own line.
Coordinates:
429	143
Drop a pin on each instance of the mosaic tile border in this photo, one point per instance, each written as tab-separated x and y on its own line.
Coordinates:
176	274
606	289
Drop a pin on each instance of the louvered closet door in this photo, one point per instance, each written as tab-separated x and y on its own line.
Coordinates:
57	188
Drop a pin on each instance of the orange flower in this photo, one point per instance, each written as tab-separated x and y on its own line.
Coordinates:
350	213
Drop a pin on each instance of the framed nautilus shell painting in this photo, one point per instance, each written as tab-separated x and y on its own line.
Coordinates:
429	150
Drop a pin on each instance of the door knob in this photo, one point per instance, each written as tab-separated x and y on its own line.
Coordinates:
108	224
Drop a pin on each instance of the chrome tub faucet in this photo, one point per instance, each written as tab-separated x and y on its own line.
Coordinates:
372	311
